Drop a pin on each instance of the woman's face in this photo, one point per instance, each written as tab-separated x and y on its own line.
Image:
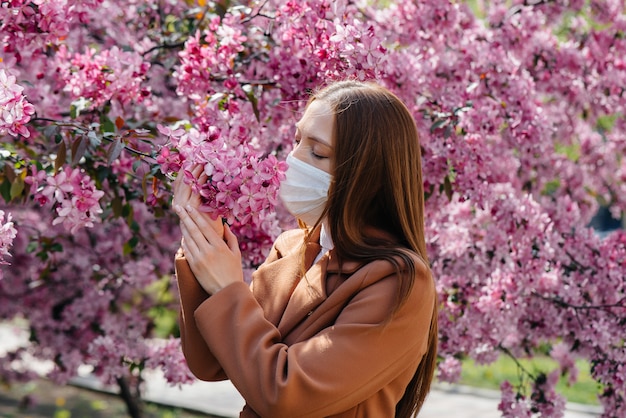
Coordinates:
314	136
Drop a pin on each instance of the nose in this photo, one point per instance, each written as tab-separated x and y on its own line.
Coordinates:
299	152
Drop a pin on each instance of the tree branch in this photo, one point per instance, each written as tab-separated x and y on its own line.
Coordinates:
83	128
560	302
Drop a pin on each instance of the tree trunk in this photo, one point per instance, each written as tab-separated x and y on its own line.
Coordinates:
132	398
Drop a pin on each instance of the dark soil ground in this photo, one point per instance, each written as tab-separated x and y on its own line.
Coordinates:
43	398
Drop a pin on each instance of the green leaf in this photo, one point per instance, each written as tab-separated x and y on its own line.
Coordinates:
106	124
5	190
31	247
102	172
606	123
438	124
572	152
134	226
551	187
62	413
55	248
130	245
17	187
127	212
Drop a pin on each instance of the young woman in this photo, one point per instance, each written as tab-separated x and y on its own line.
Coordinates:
341	319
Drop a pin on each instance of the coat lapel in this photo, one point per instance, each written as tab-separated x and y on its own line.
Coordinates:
273	285
309	293
276	283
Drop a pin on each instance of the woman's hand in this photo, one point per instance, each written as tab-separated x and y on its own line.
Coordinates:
185	196
214	260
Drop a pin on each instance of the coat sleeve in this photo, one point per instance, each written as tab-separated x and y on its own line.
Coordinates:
335	370
200	360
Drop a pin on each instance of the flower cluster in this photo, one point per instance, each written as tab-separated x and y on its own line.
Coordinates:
73	195
210	57
543	401
15	110
28	26
112	74
241	186
167	355
512	403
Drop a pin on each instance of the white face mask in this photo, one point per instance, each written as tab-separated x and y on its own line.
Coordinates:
304	190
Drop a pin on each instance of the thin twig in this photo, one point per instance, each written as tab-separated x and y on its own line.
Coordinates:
164	46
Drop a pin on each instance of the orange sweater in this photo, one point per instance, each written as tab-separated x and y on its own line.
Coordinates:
320	346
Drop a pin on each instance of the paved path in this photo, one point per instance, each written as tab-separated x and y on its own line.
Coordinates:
221	398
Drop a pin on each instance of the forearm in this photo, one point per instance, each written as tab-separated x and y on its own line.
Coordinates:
201	362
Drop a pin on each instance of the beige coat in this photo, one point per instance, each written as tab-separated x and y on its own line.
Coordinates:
321	346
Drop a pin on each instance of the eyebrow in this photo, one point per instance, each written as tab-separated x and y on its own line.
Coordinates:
314	138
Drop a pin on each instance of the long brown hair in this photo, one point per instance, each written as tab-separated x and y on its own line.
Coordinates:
377	182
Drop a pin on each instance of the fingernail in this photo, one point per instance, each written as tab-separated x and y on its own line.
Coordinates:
189	208
178	209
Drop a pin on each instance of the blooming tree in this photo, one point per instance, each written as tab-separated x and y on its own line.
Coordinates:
520	106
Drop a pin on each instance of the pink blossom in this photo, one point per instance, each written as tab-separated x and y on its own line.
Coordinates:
15	110
544	398
101	76
58	186
167	356
7	235
449	370
512	403
562	354
74	196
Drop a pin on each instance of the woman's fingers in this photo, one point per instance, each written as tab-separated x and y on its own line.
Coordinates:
186	186
201	220
182	191
185	195
231	240
198	226
188	245
196	170
193	239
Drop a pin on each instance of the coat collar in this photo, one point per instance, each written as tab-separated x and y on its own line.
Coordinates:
286	298
330	261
